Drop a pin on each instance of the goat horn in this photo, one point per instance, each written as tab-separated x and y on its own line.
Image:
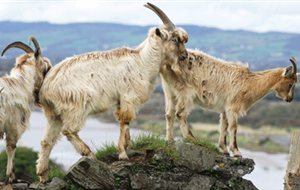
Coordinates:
293	61
167	22
38	51
18	44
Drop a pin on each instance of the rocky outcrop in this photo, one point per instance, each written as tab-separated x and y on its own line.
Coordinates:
91	174
187	167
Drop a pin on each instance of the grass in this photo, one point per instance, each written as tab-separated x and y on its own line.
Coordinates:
204	143
153	142
148	142
108	149
141	143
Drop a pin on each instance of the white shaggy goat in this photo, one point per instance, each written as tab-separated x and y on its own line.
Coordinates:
19	90
224	87
94	82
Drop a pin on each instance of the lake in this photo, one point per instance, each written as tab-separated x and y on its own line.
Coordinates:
268	173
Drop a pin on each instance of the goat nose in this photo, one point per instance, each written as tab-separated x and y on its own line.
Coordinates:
289	99
183	56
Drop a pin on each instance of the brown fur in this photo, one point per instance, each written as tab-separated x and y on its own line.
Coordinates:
225	87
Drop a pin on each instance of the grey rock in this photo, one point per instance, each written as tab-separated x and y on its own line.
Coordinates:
236	167
56	184
121	168
20	186
144	181
240	183
195	157
200	182
91	174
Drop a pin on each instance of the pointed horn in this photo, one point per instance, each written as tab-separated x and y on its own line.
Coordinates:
293	61
38	51
19	45
167	22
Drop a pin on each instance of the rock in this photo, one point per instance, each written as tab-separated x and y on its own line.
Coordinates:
144	181
240	183
91	174
57	184
195	157
187	167
200	182
237	167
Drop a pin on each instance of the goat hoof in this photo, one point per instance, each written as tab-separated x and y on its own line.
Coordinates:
43	179
226	154
9	179
92	156
170	142
123	156
237	156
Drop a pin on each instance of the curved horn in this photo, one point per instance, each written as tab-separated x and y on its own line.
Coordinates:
293	61
167	22
19	45
38	51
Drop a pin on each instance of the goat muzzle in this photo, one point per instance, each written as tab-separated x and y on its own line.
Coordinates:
183	56
289	99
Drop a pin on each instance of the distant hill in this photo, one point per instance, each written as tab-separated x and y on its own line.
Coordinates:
260	50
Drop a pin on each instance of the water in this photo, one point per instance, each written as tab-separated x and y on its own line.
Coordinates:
95	134
267	175
269	169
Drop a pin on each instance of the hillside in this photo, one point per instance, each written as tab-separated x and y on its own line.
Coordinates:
260	50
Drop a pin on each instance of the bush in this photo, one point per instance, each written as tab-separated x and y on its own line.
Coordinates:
24	165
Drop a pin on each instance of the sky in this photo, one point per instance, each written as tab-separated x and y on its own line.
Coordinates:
259	16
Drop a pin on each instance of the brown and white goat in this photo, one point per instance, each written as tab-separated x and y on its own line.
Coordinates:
224	87
19	90
94	82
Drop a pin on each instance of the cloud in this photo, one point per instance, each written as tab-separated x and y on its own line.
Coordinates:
255	15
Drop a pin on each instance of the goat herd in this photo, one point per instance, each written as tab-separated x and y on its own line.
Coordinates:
94	82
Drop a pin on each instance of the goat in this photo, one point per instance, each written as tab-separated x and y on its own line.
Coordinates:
224	87
94	82
19	90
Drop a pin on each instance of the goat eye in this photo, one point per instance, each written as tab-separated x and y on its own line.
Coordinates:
290	86
175	40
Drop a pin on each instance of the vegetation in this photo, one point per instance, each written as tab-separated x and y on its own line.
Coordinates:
205	143
141	143
24	165
148	142
106	150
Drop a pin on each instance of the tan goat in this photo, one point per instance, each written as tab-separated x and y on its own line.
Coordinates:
224	87
94	82
19	90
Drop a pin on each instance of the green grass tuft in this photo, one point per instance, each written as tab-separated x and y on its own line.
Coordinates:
108	149
140	143
148	142
204	143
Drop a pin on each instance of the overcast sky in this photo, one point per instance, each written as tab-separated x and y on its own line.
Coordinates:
254	15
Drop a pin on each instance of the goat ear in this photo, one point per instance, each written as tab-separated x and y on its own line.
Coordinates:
289	71
158	32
